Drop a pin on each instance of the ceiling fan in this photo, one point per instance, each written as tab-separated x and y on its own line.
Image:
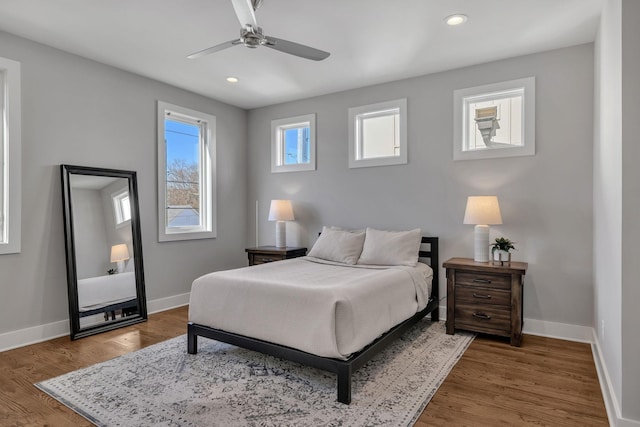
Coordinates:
252	36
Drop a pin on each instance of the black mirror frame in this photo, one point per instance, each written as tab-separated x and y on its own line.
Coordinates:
72	277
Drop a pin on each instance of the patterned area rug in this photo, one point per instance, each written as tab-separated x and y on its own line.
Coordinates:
223	385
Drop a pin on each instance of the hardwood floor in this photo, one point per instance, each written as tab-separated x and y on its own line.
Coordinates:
544	382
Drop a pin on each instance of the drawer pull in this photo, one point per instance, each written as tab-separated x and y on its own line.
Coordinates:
267	259
481	296
482	316
481	281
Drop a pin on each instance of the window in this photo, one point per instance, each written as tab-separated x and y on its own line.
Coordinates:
186	173
121	207
10	161
293	145
377	134
496	120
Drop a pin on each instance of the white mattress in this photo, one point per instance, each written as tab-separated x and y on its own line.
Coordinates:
101	291
323	308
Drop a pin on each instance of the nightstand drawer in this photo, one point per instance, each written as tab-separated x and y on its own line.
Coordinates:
483	318
265	254
262	259
482	296
500	281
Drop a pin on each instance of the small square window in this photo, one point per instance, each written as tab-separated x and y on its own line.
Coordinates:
121	207
377	134
293	144
496	120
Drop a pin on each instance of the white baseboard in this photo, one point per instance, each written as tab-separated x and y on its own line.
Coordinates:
608	394
36	334
33	335
561	331
163	304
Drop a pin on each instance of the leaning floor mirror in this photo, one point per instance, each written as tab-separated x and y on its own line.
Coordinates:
104	249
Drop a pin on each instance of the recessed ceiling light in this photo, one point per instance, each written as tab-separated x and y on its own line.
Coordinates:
456	19
232	79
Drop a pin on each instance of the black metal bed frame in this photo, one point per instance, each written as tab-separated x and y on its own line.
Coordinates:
343	368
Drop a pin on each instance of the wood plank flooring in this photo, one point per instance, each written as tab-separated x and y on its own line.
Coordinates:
544	382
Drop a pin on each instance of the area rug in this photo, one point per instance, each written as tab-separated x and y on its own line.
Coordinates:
223	385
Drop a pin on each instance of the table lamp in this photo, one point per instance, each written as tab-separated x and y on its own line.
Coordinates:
281	211
482	211
119	254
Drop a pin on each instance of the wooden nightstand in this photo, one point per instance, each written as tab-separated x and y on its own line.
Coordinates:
263	254
483	297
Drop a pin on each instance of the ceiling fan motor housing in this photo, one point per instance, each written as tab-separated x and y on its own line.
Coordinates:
252	37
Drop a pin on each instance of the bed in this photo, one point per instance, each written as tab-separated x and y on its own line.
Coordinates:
106	294
318	312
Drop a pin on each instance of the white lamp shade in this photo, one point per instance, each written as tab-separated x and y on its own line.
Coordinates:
483	210
281	210
119	253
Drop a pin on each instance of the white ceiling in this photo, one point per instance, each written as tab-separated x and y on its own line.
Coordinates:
371	41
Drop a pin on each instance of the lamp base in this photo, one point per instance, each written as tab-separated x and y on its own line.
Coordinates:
281	234
120	266
481	243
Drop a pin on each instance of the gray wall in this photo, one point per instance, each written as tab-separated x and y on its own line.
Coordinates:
80	112
91	242
617	203
546	199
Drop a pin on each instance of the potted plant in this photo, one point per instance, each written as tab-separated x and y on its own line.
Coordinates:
500	250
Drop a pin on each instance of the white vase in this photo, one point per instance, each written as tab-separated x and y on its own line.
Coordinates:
501	257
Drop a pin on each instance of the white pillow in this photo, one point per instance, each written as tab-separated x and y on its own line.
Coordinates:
338	246
391	247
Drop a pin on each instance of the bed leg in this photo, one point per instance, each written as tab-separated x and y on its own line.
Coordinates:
192	340
344	384
435	314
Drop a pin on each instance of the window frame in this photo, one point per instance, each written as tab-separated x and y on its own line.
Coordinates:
118	208
355	133
207	153
461	99
10	149
277	143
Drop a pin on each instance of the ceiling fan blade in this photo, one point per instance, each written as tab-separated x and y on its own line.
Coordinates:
244	11
296	49
215	48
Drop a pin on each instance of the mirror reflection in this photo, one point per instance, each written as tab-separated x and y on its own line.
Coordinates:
105	287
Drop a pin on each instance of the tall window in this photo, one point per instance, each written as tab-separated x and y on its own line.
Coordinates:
293	145
186	173
10	162
377	134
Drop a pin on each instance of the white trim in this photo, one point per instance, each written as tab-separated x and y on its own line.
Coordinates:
168	303
354	112
11	144
528	147
49	331
563	331
208	203
610	401
277	148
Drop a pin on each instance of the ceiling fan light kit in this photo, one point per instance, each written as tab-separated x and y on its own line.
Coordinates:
252	36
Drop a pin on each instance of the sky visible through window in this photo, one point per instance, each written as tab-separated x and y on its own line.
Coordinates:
182	141
296	146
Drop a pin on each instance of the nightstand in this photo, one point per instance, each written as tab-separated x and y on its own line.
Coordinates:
263	254
483	297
